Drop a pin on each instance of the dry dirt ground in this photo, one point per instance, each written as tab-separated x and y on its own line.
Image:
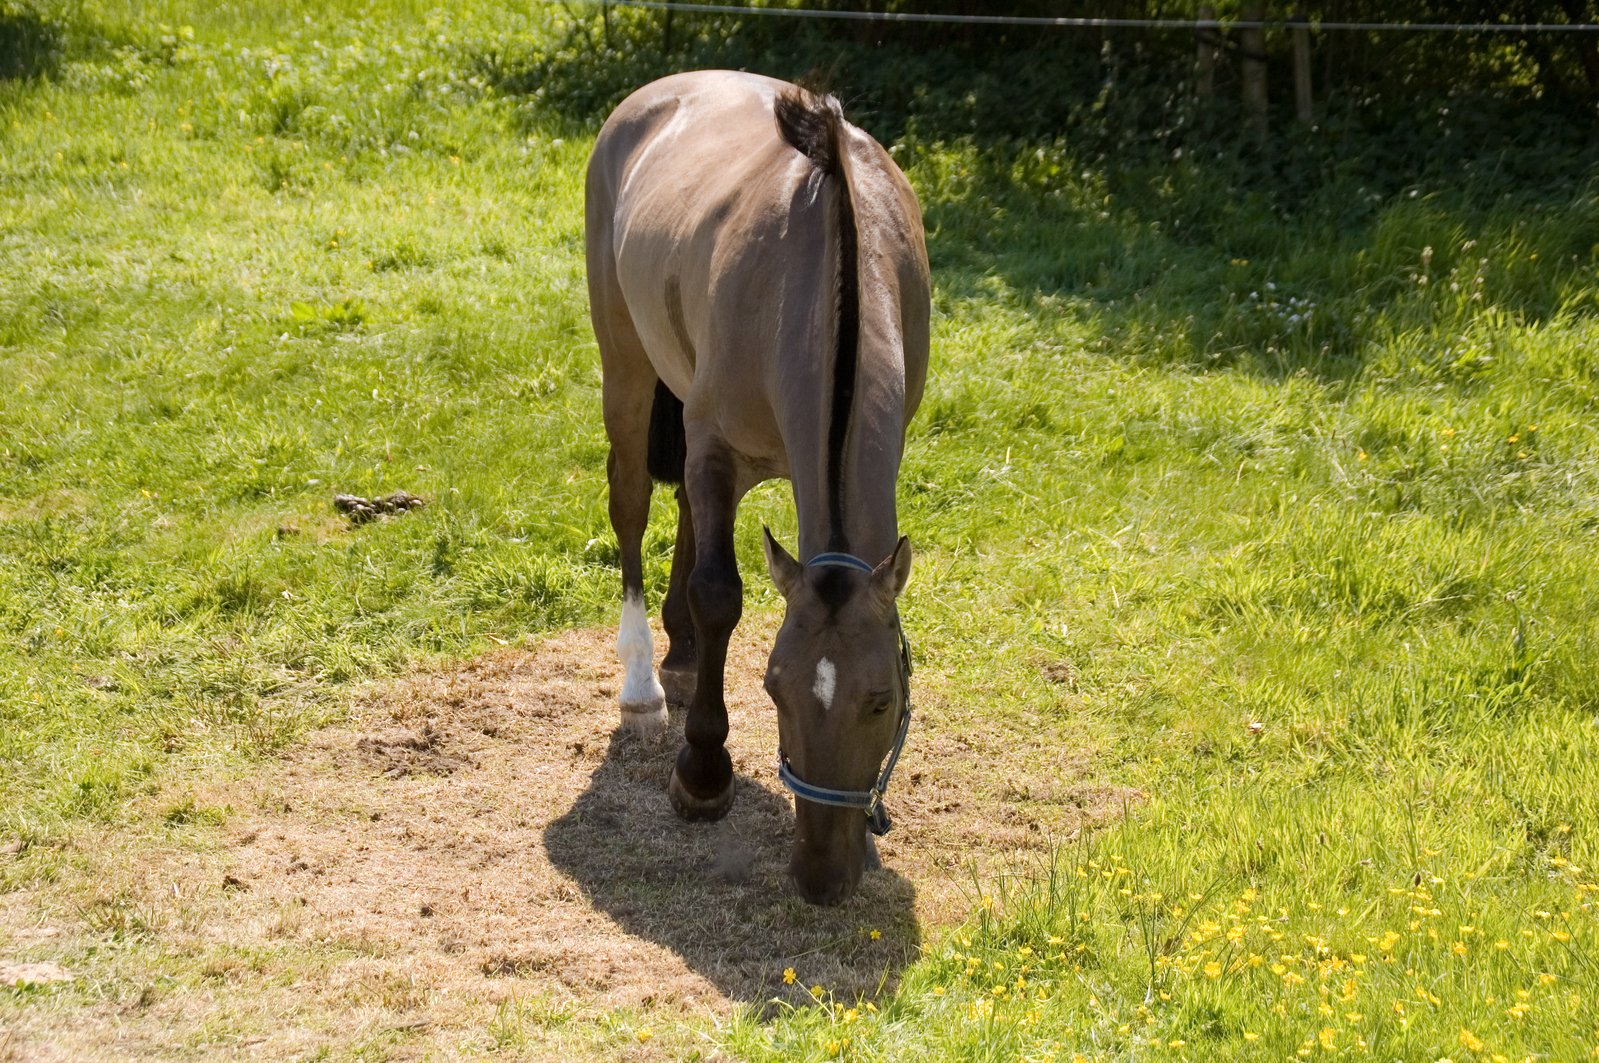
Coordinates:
475	860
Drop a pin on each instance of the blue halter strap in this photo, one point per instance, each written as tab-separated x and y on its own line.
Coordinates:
868	801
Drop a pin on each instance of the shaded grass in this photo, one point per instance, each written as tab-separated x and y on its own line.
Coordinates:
1306	498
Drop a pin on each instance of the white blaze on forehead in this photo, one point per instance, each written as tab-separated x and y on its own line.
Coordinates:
826	683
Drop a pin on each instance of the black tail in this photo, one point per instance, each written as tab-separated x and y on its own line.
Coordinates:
668	447
813	125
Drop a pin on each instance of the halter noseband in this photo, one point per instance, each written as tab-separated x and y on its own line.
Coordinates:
869	801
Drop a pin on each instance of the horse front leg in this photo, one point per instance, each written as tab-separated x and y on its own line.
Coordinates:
702	783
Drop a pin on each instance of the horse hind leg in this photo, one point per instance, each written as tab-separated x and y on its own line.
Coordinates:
627	404
643	700
668	455
678	669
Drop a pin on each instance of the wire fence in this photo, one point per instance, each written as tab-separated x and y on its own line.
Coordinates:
1193	25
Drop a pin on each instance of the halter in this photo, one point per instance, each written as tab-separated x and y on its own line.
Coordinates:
869	801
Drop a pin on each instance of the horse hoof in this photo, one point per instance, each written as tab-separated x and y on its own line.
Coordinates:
698	809
647	720
678	683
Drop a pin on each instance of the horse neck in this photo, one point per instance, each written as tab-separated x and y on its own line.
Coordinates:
868	524
856	514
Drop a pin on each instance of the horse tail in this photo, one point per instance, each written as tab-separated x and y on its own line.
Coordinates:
668	446
814	125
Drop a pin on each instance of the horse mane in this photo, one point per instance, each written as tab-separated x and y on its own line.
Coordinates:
812	124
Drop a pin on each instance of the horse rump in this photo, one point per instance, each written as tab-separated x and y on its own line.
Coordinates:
809	122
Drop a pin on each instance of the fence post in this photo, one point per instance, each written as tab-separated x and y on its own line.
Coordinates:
1252	52
1205	57
1303	103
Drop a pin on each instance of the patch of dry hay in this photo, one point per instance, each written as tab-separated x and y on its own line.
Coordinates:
483	833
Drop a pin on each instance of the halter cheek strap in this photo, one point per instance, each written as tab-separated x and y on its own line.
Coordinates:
869	801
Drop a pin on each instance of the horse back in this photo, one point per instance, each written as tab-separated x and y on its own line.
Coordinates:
716	237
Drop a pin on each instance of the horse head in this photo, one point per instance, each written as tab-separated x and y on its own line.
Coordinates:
839	675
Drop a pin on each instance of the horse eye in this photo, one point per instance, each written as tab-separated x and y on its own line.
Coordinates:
881	702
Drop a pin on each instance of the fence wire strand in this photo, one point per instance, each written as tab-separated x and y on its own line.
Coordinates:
1039	21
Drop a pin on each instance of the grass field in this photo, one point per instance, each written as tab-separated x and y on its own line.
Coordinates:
1285	517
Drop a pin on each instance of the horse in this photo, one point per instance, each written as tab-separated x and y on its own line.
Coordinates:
759	289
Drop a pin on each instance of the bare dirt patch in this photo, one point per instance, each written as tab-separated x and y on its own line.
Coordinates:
482	834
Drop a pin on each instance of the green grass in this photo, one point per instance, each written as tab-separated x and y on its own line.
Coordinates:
1326	579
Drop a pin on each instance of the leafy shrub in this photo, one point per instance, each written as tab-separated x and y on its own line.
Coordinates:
30	44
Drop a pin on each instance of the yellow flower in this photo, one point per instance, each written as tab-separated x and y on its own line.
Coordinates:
1328	1038
1212	969
789	976
876	934
817	991
1470	1041
1250	1036
643	1035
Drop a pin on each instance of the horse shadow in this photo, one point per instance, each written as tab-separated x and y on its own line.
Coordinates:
719	895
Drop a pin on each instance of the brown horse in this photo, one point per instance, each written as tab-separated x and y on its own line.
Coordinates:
759	288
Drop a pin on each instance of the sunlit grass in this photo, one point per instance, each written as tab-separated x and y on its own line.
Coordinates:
1309	505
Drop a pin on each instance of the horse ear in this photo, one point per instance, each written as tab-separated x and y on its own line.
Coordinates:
892	574
784	570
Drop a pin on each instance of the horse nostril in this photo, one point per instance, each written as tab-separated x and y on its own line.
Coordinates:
825	887
827	893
